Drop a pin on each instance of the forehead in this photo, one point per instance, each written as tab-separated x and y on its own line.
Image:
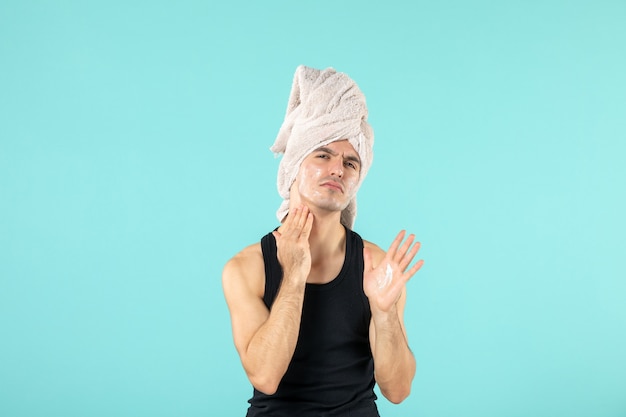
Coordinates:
343	145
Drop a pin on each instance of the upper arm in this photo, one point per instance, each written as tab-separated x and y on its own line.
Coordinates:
243	282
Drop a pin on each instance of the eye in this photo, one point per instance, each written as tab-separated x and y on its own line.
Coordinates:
351	165
323	156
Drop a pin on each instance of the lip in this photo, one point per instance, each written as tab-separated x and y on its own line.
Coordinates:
333	185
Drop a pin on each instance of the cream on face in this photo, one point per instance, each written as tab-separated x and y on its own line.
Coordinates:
328	177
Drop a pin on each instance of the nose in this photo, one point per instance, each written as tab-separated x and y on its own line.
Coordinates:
337	168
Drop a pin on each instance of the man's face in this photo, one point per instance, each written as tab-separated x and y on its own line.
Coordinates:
328	177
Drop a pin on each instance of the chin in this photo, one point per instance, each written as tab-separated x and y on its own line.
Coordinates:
331	205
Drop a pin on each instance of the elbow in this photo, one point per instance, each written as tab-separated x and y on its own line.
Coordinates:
267	389
398	395
266	385
263	378
398	398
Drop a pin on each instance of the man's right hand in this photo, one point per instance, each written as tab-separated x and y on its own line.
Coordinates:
292	244
266	339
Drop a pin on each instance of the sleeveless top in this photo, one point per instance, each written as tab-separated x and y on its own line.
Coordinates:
331	373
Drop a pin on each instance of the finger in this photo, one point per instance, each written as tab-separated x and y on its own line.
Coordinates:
302	217
408	258
367	259
276	234
295	221
396	242
404	248
291	221
290	216
414	268
308	225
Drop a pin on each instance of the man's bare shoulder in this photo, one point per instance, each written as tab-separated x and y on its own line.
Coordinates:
377	253
245	268
248	254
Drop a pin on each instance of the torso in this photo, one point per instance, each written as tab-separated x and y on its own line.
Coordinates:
333	351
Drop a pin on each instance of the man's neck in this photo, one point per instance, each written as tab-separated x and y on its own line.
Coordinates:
327	236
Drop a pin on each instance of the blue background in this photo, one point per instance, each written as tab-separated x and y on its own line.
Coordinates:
134	162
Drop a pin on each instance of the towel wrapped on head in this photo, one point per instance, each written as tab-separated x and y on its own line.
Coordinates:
324	106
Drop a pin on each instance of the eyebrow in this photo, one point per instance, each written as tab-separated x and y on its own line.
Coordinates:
349	157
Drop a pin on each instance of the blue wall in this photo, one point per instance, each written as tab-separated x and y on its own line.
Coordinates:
134	162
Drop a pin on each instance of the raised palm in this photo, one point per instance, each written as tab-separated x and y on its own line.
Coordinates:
383	284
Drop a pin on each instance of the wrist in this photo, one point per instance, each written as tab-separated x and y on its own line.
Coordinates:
382	317
295	277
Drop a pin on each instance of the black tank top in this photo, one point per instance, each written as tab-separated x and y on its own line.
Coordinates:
332	370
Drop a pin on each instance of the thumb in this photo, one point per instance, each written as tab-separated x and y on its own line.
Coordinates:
276	234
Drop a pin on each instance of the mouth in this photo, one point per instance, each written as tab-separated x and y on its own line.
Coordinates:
333	186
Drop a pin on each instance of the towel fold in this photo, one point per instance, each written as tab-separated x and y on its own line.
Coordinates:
324	106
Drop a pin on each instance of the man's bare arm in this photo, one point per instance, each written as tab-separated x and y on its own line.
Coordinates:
384	282
394	363
266	340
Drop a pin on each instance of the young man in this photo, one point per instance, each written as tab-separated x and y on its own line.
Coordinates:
317	312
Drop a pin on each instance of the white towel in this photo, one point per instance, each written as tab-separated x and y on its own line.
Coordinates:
324	106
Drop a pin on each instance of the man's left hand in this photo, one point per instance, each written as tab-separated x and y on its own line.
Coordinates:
383	284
